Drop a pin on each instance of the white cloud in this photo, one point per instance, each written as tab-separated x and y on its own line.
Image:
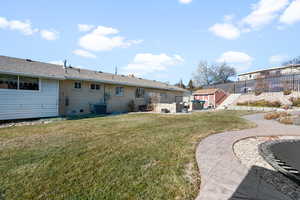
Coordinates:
24	27
292	14
264	12
278	59
227	31
185	1
229	18
49	35
241	61
102	39
85	27
146	63
84	53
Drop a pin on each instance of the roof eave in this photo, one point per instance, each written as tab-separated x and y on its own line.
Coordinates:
31	75
121	83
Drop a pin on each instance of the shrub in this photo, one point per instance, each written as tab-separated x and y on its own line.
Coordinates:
257	93
131	106
286	120
260	103
286	107
276	115
295	101
270	116
287	92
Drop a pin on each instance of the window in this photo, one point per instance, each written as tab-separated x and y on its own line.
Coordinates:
27	83
140	93
77	85
163	96
119	91
18	82
8	82
95	87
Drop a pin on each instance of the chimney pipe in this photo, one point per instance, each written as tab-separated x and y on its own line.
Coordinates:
65	63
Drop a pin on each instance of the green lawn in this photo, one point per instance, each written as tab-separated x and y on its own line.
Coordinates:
134	156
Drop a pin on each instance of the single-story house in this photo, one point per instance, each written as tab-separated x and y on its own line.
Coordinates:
32	89
212	97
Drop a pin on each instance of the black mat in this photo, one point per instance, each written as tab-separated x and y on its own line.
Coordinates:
288	152
284	156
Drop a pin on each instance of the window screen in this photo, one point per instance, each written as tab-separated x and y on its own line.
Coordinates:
8	81
27	83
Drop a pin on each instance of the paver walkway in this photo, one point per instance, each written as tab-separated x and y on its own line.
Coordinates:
224	177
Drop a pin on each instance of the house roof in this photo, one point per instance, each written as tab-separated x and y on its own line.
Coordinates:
206	91
270	69
16	66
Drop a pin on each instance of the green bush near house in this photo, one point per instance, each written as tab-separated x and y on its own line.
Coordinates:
132	156
260	103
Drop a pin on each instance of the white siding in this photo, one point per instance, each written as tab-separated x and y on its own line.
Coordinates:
21	104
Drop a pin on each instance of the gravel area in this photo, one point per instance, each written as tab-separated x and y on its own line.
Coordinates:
247	152
29	122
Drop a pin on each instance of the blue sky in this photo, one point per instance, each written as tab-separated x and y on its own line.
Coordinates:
154	39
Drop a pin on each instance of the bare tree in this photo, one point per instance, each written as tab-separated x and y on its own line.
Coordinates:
213	74
202	76
222	72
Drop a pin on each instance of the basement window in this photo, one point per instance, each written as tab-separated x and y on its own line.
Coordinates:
77	85
8	82
119	91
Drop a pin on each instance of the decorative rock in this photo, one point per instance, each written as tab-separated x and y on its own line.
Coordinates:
297	121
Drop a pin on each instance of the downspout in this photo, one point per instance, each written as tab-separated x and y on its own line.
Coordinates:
104	95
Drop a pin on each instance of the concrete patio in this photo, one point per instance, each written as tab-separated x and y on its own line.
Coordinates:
224	177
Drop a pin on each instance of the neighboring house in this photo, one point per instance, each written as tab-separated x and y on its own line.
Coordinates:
276	71
31	89
212	97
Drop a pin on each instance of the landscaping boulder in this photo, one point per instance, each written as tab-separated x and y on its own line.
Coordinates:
297	121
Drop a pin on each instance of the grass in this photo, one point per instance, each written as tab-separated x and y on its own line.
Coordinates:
135	156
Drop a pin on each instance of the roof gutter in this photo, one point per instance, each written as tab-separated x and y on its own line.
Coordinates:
92	80
121	83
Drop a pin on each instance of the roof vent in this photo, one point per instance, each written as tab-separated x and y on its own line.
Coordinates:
29	60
